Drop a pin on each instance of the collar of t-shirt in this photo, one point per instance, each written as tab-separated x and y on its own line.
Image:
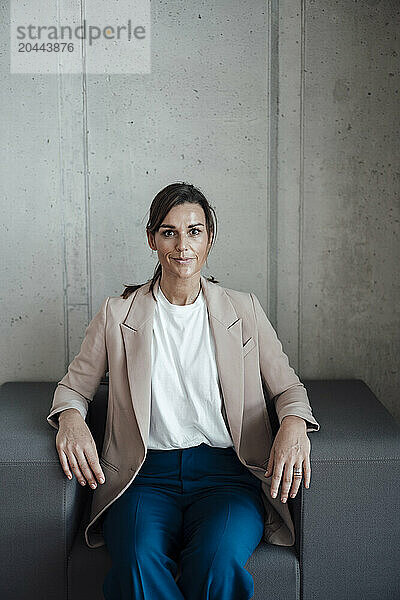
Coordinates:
178	310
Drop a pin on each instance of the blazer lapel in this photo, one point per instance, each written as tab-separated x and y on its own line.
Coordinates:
226	328
137	331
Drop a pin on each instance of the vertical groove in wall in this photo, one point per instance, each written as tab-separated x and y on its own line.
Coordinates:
271	187
86	171
62	206
267	174
301	183
75	260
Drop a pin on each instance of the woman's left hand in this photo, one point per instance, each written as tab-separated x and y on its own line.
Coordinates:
291	448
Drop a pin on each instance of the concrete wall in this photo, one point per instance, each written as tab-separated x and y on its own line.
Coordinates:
83	158
338	191
284	114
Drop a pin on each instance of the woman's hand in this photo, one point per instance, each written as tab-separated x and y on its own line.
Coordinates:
76	446
290	449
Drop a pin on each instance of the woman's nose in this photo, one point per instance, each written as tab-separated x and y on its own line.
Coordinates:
181	243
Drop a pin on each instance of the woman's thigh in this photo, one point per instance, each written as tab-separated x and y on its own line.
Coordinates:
142	522
221	527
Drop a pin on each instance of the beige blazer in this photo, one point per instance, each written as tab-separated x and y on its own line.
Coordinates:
118	340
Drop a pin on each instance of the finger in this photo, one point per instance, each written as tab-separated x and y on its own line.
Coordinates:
86	470
64	463
270	464
94	464
75	468
296	479
307	471
287	480
276	478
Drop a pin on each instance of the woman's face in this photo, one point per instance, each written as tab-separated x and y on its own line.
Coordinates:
182	234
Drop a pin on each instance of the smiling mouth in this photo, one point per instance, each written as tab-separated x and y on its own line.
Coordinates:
183	259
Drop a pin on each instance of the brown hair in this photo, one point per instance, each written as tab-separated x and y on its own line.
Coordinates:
170	196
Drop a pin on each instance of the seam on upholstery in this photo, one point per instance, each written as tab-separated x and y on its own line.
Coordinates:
30	462
66	593
105	335
350	459
313	461
301	545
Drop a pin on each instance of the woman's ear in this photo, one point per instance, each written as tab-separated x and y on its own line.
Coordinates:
151	240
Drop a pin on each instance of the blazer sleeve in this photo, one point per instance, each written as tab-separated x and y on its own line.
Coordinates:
283	385
78	386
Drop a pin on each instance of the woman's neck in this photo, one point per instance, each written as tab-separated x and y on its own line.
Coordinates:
180	292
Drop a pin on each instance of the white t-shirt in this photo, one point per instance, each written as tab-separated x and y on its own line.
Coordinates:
185	396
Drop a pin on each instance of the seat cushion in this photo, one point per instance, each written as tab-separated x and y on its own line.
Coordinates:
275	570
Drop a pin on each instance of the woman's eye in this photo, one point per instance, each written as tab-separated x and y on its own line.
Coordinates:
167	231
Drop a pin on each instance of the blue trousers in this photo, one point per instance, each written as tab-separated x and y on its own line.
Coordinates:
200	506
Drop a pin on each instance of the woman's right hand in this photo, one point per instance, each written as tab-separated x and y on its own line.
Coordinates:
77	449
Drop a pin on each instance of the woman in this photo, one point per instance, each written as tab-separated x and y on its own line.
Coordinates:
187	437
